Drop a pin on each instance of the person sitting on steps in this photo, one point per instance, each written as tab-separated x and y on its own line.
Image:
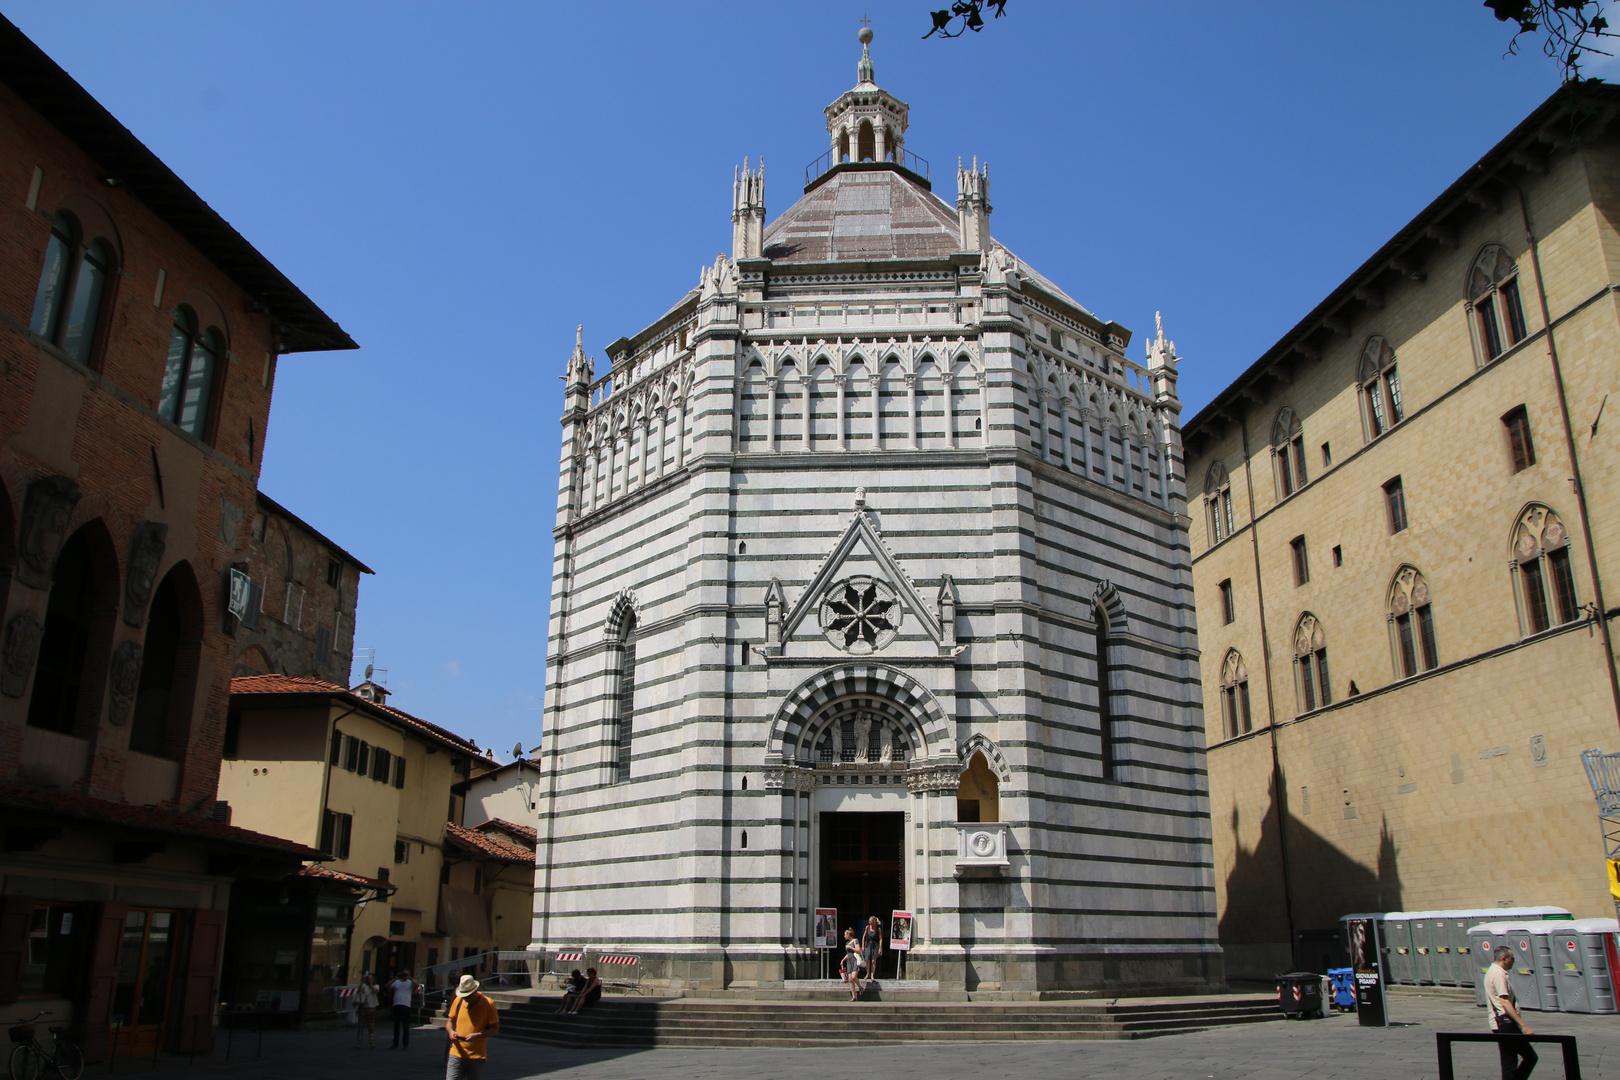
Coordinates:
572	989
591	994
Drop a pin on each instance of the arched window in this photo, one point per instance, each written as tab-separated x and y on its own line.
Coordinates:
1218	503
978	793
1493	296
1380	387
188	378
1105	694
1235	695
1541	564
1314	687
626	703
865	142
67	306
1411	619
1288	453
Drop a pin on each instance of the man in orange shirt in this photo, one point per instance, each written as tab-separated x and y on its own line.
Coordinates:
473	1018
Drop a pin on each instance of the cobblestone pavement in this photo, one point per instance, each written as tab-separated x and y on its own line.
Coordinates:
1322	1049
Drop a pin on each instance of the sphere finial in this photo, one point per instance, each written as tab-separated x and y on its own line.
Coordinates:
865	35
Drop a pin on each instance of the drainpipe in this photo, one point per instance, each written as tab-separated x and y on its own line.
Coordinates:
1277	785
326	775
1600	615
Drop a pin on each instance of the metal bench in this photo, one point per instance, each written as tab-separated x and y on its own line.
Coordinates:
621	971
563	965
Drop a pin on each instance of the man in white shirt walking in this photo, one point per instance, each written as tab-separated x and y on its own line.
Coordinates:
1518	1056
400	991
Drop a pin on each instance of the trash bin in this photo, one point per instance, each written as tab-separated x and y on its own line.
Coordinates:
1581	965
1299	995
1344	988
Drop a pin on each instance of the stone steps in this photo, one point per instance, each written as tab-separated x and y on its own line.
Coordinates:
698	1022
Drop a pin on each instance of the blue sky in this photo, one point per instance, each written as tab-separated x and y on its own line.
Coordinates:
459	185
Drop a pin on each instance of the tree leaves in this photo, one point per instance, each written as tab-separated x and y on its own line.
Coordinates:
970	12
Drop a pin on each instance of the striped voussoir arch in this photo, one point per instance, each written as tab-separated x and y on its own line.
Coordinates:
796	718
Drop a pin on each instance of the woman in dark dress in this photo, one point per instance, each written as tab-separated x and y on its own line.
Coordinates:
872	948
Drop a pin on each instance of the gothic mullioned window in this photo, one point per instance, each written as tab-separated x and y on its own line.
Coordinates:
67	306
1542	570
1218	503
1235	695
1411	619
1314	687
1380	387
1493	297
1288	453
188	377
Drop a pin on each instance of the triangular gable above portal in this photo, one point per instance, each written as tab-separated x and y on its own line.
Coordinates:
861	541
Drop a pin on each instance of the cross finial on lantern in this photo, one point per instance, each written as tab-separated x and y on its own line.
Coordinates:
865	21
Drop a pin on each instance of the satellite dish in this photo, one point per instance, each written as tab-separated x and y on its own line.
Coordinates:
517	751
370	670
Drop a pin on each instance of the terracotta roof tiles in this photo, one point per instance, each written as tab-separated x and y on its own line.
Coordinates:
483	844
529	837
303	684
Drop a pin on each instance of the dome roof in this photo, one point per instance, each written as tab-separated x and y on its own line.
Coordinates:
859	216
874	214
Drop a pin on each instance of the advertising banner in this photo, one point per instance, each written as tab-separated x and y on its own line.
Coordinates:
1365	957
900	931
826	928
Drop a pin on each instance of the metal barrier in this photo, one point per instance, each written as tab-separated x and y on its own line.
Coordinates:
1444	1039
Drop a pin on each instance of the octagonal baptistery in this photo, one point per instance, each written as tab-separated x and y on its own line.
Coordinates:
871	593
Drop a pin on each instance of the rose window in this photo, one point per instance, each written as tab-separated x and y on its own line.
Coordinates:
860	615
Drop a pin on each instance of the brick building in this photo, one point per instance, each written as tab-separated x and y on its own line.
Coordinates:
139	336
1419	483
302	600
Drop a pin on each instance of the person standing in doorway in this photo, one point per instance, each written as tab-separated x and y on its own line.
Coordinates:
400	992
1518	1056
472	1020
872	948
365	1007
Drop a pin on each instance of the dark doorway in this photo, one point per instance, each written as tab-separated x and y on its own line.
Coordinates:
863	872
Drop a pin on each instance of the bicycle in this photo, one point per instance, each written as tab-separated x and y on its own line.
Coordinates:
65	1058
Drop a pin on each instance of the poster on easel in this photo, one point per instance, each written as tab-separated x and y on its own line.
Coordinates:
900	931
826	928
1366	959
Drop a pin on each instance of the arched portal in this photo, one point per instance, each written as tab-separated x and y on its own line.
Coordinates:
903	703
